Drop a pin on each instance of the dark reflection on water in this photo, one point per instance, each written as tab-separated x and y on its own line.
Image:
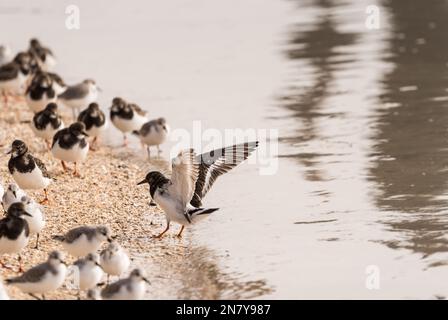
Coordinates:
410	141
316	46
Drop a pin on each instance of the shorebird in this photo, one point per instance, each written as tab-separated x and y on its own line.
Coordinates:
46	123
114	260
94	120
28	171
15	74
36	218
126	117
83	240
89	272
79	96
40	92
14	232
43	278
153	133
13	194
5	54
3	293
192	177
43	54
131	288
70	144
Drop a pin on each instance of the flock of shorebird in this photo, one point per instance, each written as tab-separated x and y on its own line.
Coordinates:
28	76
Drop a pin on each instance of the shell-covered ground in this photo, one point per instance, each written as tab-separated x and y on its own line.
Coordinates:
106	193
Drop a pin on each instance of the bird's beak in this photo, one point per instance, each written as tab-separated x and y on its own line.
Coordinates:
98	265
9	151
85	133
142	182
110	239
27	214
63	262
14	193
146	280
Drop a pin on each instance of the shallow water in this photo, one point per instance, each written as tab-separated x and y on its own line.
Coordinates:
361	115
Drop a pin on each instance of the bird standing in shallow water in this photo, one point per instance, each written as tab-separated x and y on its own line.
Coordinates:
70	144
192	177
95	122
28	171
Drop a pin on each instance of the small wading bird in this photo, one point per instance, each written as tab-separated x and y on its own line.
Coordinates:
79	96
192	177
43	278
126	117
28	171
153	133
14	232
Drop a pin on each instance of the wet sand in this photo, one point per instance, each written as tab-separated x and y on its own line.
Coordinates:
106	193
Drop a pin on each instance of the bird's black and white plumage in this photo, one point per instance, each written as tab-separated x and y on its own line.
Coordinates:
126	117
15	74
180	197
83	240
131	288
28	171
14	230
70	144
40	92
12	194
45	277
153	133
44	55
47	122
94	120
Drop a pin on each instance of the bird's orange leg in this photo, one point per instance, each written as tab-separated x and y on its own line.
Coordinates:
76	173
179	235
164	231
93	146
64	166
46	200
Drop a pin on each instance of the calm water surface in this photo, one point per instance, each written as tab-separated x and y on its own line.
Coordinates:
362	118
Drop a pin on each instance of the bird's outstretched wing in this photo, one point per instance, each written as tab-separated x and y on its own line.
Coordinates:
217	162
184	174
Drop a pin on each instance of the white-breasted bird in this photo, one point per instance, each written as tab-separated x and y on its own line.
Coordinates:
94	120
79	96
43	278
89	272
28	171
70	145
114	260
14	232
131	288
46	123
153	133
83	240
36	218
13	194
192	177
126	117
